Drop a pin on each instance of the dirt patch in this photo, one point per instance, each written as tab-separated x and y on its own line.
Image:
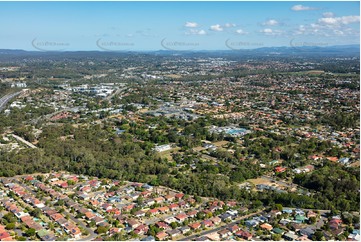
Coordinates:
260	180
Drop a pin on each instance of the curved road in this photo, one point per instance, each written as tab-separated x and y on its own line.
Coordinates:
5	99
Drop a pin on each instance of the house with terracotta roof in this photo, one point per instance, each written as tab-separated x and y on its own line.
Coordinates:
153	211
114	230
145	194
244	234
181	217
97	220
164	209
179	196
173	207
89	215
159	200
266	226
234	228
133	223
311	214
207	223
5	236
162	235
75	232
162	225
213	236
216	220
192	214
141	229
170	198
56	216
280	169
195	226
231	203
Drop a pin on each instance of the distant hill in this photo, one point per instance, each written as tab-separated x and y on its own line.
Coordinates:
268	52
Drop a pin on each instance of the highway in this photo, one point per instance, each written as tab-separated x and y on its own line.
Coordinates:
5	99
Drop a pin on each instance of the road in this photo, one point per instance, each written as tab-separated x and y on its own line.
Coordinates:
115	93
91	235
24	141
220	228
5	99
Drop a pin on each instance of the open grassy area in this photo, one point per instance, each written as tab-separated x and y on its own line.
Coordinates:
168	154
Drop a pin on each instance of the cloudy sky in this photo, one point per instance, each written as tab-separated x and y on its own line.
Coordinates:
176	25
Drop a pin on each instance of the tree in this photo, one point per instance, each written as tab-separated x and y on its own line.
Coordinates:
312	220
36	212
318	235
30	232
101	230
279	207
276	237
10	226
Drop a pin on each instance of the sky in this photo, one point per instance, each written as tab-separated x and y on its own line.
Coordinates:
123	26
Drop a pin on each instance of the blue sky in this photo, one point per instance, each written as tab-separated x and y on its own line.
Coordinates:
176	25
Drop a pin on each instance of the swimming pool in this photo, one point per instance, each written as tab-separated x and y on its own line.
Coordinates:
236	131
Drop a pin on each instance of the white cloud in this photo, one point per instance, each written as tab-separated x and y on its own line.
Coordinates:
328	15
266	31
330	26
338	32
216	27
229	25
269	31
339	20
241	31
191	25
301	8
271	22
196	32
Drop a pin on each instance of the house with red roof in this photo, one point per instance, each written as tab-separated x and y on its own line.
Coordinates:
162	225
29	178
195	226
266	226
89	215
181	217
280	169
173	207
141	229
234	228
179	196
162	235
159	200
170	198
5	236
164	209
216	220
192	214
207	223
153	211
244	234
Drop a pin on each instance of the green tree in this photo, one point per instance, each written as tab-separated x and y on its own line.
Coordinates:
30	232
